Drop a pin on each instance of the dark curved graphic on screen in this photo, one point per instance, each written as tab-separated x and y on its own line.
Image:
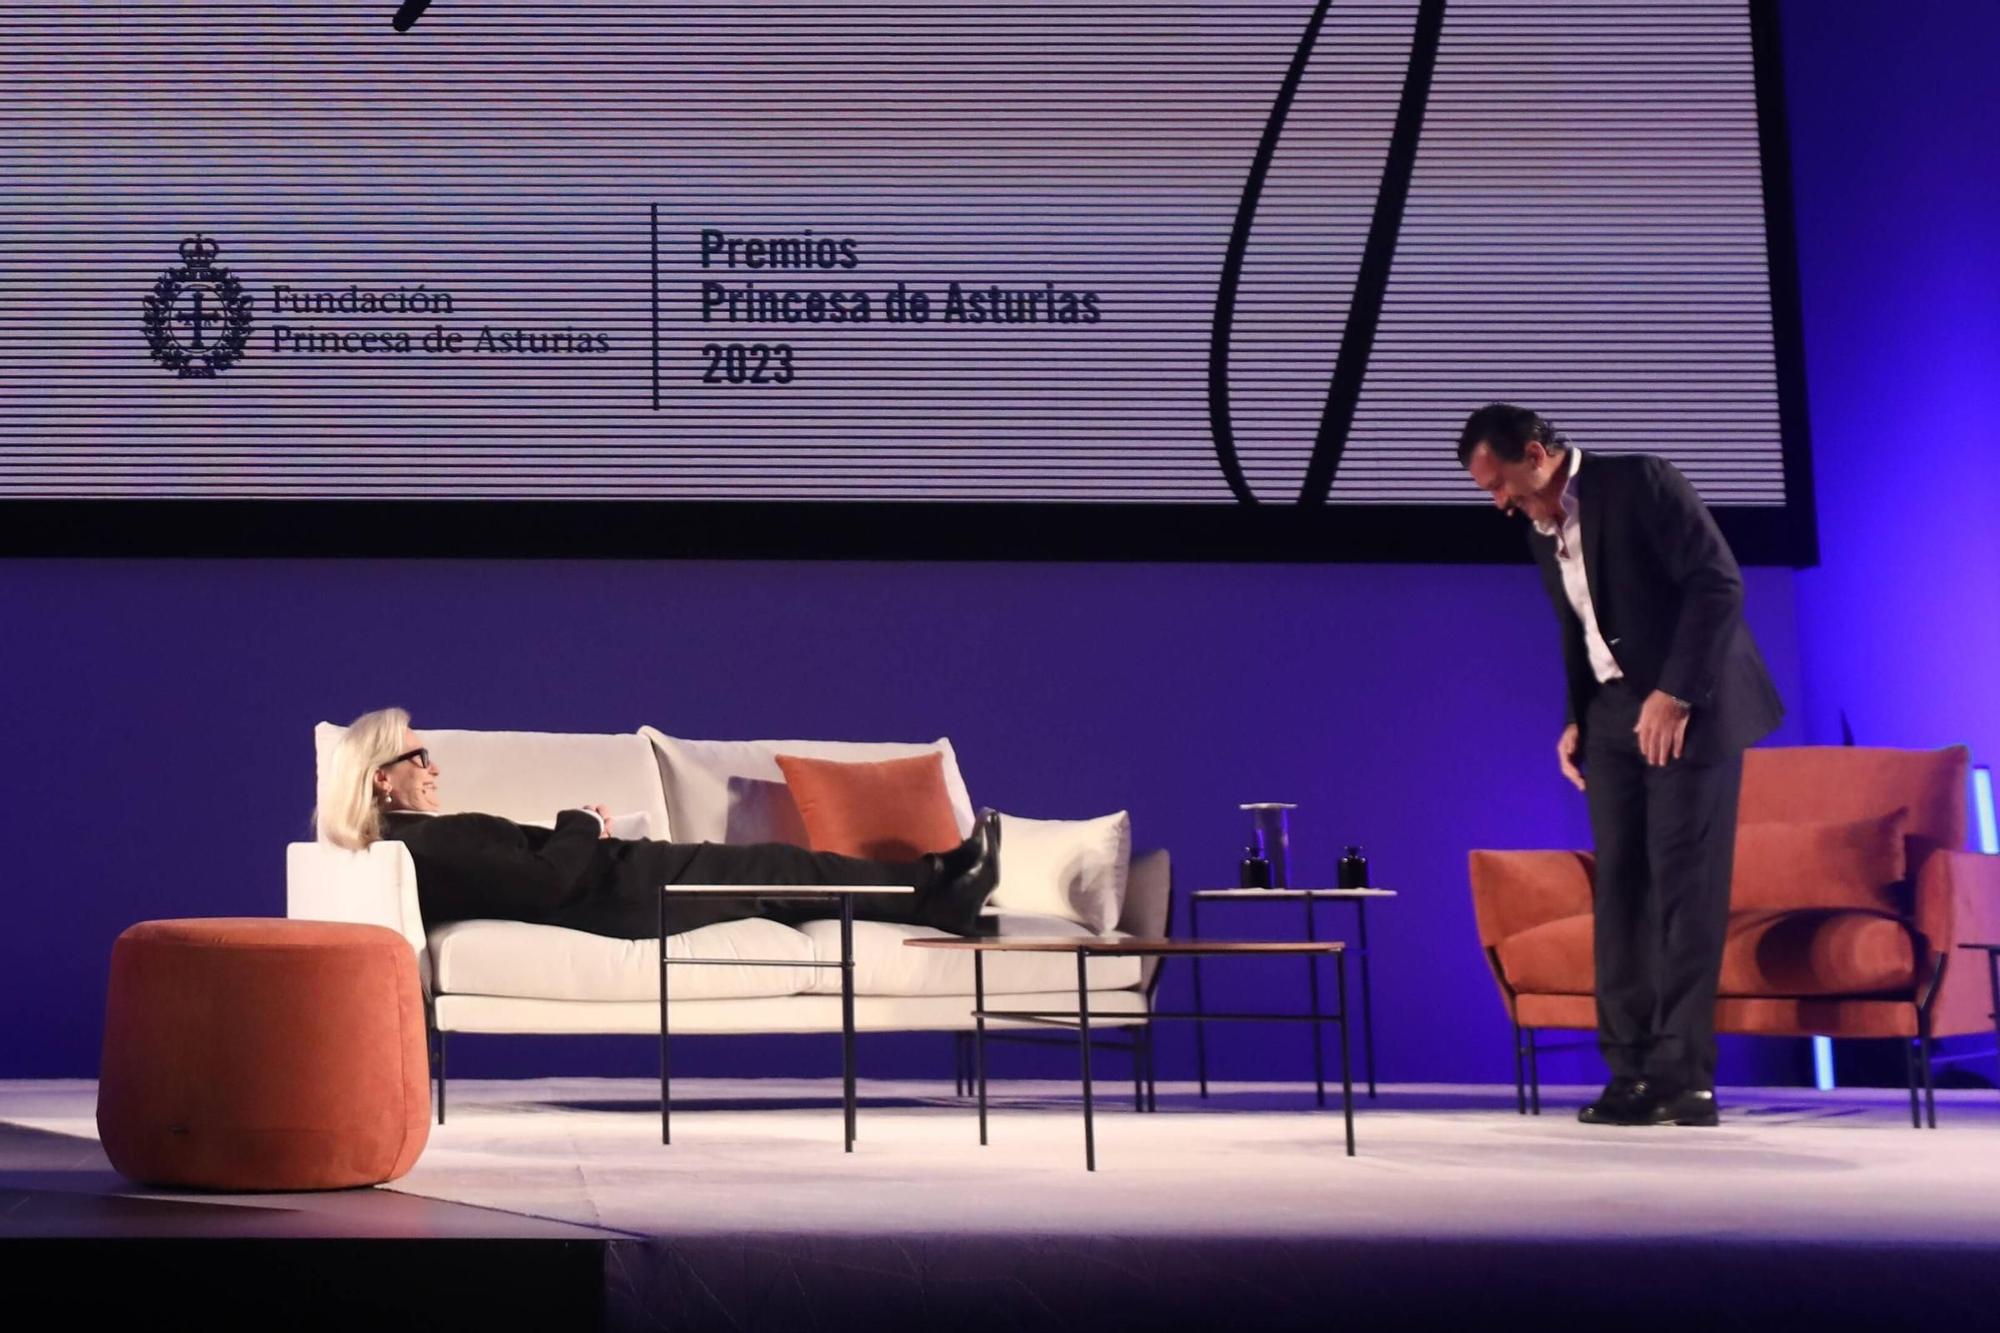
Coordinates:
1364	312
1232	262
407	14
1371	284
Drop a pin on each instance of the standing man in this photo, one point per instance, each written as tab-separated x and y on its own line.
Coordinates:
1666	689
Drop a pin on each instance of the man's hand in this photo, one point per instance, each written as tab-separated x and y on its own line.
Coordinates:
1566	756
1662	728
604	820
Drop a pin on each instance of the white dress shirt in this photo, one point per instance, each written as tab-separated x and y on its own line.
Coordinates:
1569	559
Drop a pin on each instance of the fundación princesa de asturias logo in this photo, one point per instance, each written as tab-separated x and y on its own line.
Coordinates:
197	318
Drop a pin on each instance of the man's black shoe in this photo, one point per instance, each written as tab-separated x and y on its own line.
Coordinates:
1624	1101
1683	1106
968	854
967	876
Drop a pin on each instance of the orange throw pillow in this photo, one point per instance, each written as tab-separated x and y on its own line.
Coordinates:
894	810
1853	864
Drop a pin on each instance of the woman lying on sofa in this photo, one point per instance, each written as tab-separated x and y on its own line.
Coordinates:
383	785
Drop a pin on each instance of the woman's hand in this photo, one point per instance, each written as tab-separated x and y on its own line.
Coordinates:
603	820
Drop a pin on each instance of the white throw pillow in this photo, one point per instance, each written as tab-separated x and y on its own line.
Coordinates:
734	791
1071	868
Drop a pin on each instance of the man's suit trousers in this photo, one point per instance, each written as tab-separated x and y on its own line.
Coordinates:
1666	843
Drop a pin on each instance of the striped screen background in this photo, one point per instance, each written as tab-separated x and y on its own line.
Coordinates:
619	250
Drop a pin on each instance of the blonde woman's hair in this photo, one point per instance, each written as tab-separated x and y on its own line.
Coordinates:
349	815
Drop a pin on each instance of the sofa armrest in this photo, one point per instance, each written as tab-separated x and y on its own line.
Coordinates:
1513	891
1957	901
376	887
1149	898
1958	898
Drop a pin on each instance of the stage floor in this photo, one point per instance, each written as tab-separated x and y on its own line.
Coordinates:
1802	1204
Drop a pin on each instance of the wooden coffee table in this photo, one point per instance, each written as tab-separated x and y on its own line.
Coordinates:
1099	947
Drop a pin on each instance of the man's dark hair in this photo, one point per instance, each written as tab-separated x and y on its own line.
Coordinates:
1506	430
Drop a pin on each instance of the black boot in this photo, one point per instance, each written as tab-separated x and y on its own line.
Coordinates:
963	879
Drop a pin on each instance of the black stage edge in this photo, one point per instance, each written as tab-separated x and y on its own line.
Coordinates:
431	1285
80	1246
1051	1284
978	1283
740	530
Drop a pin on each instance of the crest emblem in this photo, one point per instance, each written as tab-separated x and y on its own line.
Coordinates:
197	318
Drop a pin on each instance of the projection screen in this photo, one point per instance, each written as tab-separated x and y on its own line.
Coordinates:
1007	279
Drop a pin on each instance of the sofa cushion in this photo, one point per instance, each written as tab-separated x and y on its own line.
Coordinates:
784	1013
1854	863
528	776
884	966
887	810
1805	953
733	791
514	958
1075	869
1816	952
553	963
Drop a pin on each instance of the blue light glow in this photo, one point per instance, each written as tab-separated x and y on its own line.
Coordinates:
1823	1063
1982	807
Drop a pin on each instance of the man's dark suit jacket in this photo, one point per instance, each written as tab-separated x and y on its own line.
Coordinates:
1669	602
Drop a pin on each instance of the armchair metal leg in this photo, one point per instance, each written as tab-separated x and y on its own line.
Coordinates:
439	1069
1910	1077
1152	1070
1930	1076
1520	1076
1917	1056
1534	1076
1138	1073
1924	1037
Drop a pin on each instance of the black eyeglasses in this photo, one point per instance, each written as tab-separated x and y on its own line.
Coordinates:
421	754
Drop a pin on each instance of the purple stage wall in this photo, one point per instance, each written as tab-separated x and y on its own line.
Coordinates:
158	755
163	756
1898	193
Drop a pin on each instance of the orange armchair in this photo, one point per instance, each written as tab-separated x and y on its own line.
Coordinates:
1851	890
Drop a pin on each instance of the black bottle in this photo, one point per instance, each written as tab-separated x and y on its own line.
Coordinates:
1353	869
1255	872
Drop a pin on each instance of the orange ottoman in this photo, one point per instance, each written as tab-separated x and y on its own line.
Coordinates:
262	1053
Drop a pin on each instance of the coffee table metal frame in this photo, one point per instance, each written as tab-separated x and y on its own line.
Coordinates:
845	895
1145	1090
1080	1018
1360	898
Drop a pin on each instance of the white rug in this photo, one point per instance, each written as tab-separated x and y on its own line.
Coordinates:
765	1155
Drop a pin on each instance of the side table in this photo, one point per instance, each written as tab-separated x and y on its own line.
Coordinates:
1992	951
1086	949
844	894
1308	898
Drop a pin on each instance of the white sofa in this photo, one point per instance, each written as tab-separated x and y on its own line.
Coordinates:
512	977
